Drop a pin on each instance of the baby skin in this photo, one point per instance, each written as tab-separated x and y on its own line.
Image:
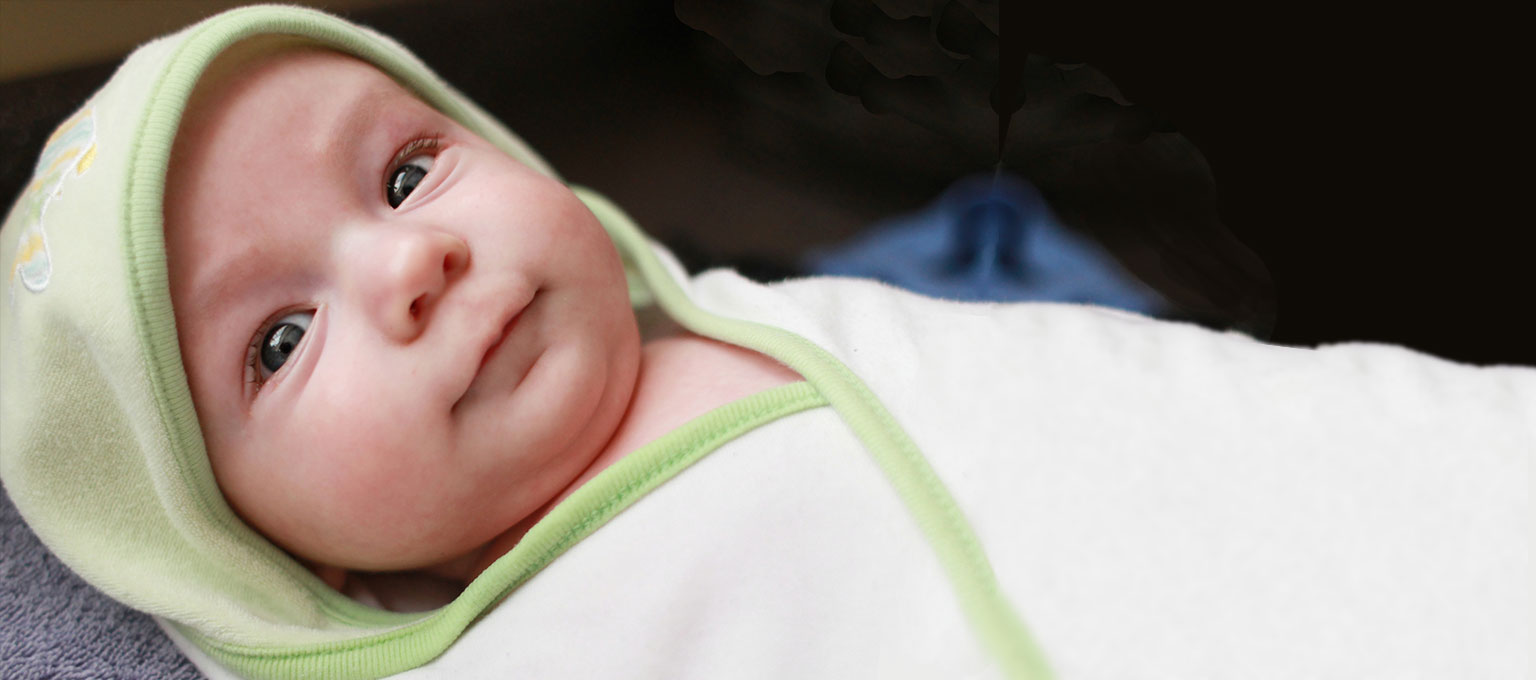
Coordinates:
403	345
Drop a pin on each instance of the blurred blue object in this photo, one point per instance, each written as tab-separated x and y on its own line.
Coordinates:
988	238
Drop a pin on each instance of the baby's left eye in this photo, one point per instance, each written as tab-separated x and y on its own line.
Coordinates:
404	178
278	342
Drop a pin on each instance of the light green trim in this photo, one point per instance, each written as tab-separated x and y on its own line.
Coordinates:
1000	628
149	287
147	280
591	506
417	639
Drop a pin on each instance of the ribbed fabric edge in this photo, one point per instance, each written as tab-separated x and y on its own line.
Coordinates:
586	510
997	624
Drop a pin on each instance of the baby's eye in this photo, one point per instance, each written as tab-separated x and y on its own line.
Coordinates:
405	178
279	342
410	166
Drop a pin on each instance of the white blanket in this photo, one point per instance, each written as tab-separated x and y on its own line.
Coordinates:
1158	501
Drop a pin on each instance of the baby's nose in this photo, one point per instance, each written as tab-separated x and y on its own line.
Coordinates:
413	269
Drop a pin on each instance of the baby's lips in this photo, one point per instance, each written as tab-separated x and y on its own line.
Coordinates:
501	339
493	342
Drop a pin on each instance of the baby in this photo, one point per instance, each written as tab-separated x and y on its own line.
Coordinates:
286	313
403	344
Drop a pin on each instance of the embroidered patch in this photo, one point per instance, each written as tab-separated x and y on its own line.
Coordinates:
32	260
69	152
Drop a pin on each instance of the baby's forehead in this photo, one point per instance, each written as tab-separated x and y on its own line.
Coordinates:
273	136
279	74
289	102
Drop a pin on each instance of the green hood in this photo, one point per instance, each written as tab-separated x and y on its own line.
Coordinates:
100	447
99	444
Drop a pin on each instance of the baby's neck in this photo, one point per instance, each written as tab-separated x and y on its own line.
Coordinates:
682	376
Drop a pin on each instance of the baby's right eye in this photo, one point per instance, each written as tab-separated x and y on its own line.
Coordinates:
278	342
407	170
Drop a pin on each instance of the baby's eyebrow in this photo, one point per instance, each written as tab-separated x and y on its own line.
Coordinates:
360	113
224	283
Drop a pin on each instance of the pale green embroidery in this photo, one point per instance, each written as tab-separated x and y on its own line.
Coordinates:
68	153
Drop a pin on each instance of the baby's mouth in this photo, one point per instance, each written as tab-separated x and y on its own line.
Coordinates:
492	349
505	331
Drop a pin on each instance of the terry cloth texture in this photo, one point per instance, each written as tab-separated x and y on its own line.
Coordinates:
100	448
54	625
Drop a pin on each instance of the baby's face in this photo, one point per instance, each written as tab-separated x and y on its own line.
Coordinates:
384	386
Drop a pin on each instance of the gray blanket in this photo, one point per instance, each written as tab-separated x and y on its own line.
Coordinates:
54	625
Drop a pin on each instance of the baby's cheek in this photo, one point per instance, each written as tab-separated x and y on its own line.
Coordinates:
375	473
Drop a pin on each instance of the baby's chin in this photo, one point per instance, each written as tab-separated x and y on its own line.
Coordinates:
449	542
411	547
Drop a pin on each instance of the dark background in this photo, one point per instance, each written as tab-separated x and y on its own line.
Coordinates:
1356	165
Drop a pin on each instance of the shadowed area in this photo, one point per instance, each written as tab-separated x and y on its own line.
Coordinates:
1304	176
